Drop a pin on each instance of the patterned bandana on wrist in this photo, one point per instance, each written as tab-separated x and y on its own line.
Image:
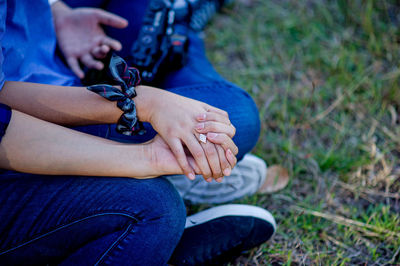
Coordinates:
127	77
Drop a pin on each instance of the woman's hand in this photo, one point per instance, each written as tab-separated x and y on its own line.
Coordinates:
212	127
174	117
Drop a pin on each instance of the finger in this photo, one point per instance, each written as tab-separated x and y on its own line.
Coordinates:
101	51
90	62
198	154
224	140
74	65
211	126
176	147
225	165
209	116
112	43
231	158
213	159
217	110
104	48
194	165
110	19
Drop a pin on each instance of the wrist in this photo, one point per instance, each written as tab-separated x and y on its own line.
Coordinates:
148	166
58	7
59	11
135	161
151	154
144	102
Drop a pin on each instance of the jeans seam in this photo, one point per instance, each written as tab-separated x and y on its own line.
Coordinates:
123	235
65	226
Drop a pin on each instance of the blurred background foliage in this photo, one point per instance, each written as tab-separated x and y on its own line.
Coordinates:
325	76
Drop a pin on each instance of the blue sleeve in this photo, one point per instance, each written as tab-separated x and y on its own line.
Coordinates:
5	112
5	116
3	12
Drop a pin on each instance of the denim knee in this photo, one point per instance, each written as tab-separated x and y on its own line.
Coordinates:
159	201
160	228
160	225
171	207
245	117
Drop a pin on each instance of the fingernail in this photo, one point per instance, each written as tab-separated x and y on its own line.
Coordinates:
219	179
201	117
212	135
209	180
227	171
199	126
191	176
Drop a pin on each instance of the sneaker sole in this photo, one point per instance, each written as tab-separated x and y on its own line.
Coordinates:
230	210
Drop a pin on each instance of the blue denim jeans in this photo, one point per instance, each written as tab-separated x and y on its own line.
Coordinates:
88	220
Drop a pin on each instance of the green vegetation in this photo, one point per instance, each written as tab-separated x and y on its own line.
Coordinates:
326	78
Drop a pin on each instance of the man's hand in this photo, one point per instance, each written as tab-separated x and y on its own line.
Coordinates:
81	37
162	160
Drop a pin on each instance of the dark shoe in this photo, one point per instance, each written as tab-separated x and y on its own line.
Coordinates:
219	234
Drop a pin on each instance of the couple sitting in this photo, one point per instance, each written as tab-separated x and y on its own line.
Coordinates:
74	191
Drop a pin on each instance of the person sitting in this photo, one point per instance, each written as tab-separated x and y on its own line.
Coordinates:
74	198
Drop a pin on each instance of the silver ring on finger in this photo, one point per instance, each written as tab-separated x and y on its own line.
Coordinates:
203	138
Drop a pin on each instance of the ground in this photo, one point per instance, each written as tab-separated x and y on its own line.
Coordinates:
325	76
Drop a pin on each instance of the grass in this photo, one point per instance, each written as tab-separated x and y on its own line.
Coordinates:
326	78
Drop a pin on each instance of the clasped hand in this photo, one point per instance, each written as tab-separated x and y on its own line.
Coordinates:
179	121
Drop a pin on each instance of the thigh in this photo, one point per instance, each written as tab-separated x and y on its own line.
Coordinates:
198	69
47	219
199	80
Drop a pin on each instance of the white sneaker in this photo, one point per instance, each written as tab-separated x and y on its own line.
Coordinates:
246	178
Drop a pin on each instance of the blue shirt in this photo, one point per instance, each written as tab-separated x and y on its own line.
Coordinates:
28	44
28	48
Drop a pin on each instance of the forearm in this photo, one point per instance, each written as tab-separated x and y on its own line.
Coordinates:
67	105
34	146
